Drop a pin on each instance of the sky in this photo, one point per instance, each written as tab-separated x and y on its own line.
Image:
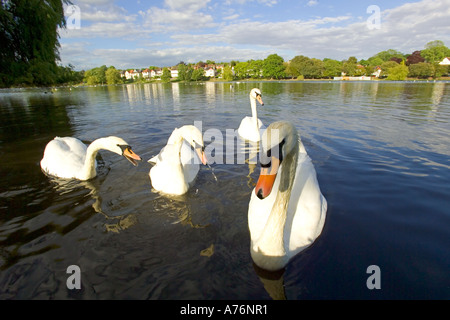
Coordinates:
139	33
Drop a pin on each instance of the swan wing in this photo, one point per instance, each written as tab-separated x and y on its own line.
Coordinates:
166	175
64	157
307	208
189	162
248	131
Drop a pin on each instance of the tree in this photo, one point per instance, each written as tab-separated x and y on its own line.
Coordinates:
332	68
29	31
166	75
387	66
399	72
96	75
435	51
255	68
241	70
112	76
389	54
421	70
273	67
198	74
182	72
349	66
414	58
227	73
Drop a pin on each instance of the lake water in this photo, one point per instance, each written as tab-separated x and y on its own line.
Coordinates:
382	155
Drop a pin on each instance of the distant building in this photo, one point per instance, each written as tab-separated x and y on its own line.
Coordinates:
445	62
146	73
210	72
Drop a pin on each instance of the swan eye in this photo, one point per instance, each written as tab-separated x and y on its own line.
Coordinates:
124	147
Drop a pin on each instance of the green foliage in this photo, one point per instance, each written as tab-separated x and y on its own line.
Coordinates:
182	72
332	68
29	32
389	54
435	51
227	73
349	67
308	68
165	77
273	67
198	74
112	76
421	70
255	68
241	70
96	76
399	72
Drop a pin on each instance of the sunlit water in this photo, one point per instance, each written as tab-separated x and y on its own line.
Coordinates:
382	155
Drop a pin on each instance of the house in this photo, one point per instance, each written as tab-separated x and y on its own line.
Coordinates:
210	72
132	74
445	62
146	73
174	72
377	72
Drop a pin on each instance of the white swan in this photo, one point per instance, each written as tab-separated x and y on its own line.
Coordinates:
287	209
250	126
176	166
69	158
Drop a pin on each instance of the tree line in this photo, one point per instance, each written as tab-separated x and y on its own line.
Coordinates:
393	65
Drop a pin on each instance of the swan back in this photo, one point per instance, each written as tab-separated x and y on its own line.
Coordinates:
177	164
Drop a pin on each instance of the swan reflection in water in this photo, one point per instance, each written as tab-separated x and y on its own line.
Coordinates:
112	223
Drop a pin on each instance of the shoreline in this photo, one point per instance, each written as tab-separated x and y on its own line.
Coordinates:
408	80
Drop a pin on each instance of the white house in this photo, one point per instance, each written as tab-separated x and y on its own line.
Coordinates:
377	72
132	74
445	62
146	73
174	73
210	72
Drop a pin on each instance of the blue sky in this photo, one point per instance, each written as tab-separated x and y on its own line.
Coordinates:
138	33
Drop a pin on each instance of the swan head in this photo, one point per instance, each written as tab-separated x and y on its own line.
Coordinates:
194	137
255	94
119	146
278	140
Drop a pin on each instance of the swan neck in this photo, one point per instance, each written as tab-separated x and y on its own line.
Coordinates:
277	219
89	170
253	107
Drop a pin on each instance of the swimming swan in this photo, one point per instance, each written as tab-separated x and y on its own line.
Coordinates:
287	210
70	158
249	127
176	165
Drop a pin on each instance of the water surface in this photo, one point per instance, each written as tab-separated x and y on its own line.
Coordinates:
382	155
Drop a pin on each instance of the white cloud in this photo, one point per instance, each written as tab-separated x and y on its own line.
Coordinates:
184	35
231	17
312	3
124	30
178	15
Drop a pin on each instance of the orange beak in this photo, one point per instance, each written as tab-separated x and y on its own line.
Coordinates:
201	155
267	179
258	97
131	156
